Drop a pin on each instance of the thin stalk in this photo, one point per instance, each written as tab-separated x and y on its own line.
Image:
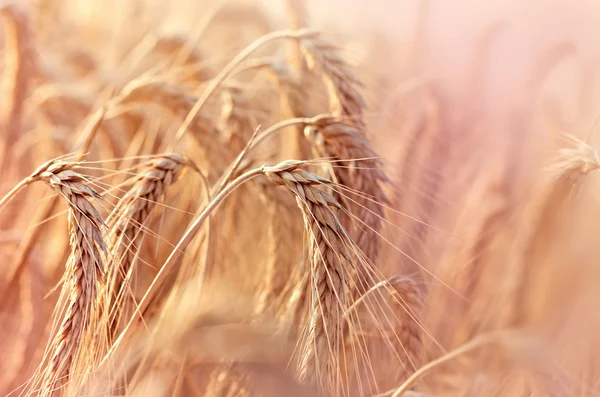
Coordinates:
13	192
169	264
474	344
228	70
258	139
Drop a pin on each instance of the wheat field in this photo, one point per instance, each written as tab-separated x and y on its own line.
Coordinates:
294	198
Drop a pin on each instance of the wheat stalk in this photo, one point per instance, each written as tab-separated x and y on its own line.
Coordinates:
297	18
154	91
19	69
180	53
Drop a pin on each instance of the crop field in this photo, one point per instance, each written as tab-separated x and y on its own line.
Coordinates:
299	198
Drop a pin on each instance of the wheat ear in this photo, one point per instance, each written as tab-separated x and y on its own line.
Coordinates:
360	172
343	86
131	214
84	273
330	260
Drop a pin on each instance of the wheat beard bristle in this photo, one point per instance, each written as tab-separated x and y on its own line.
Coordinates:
84	273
